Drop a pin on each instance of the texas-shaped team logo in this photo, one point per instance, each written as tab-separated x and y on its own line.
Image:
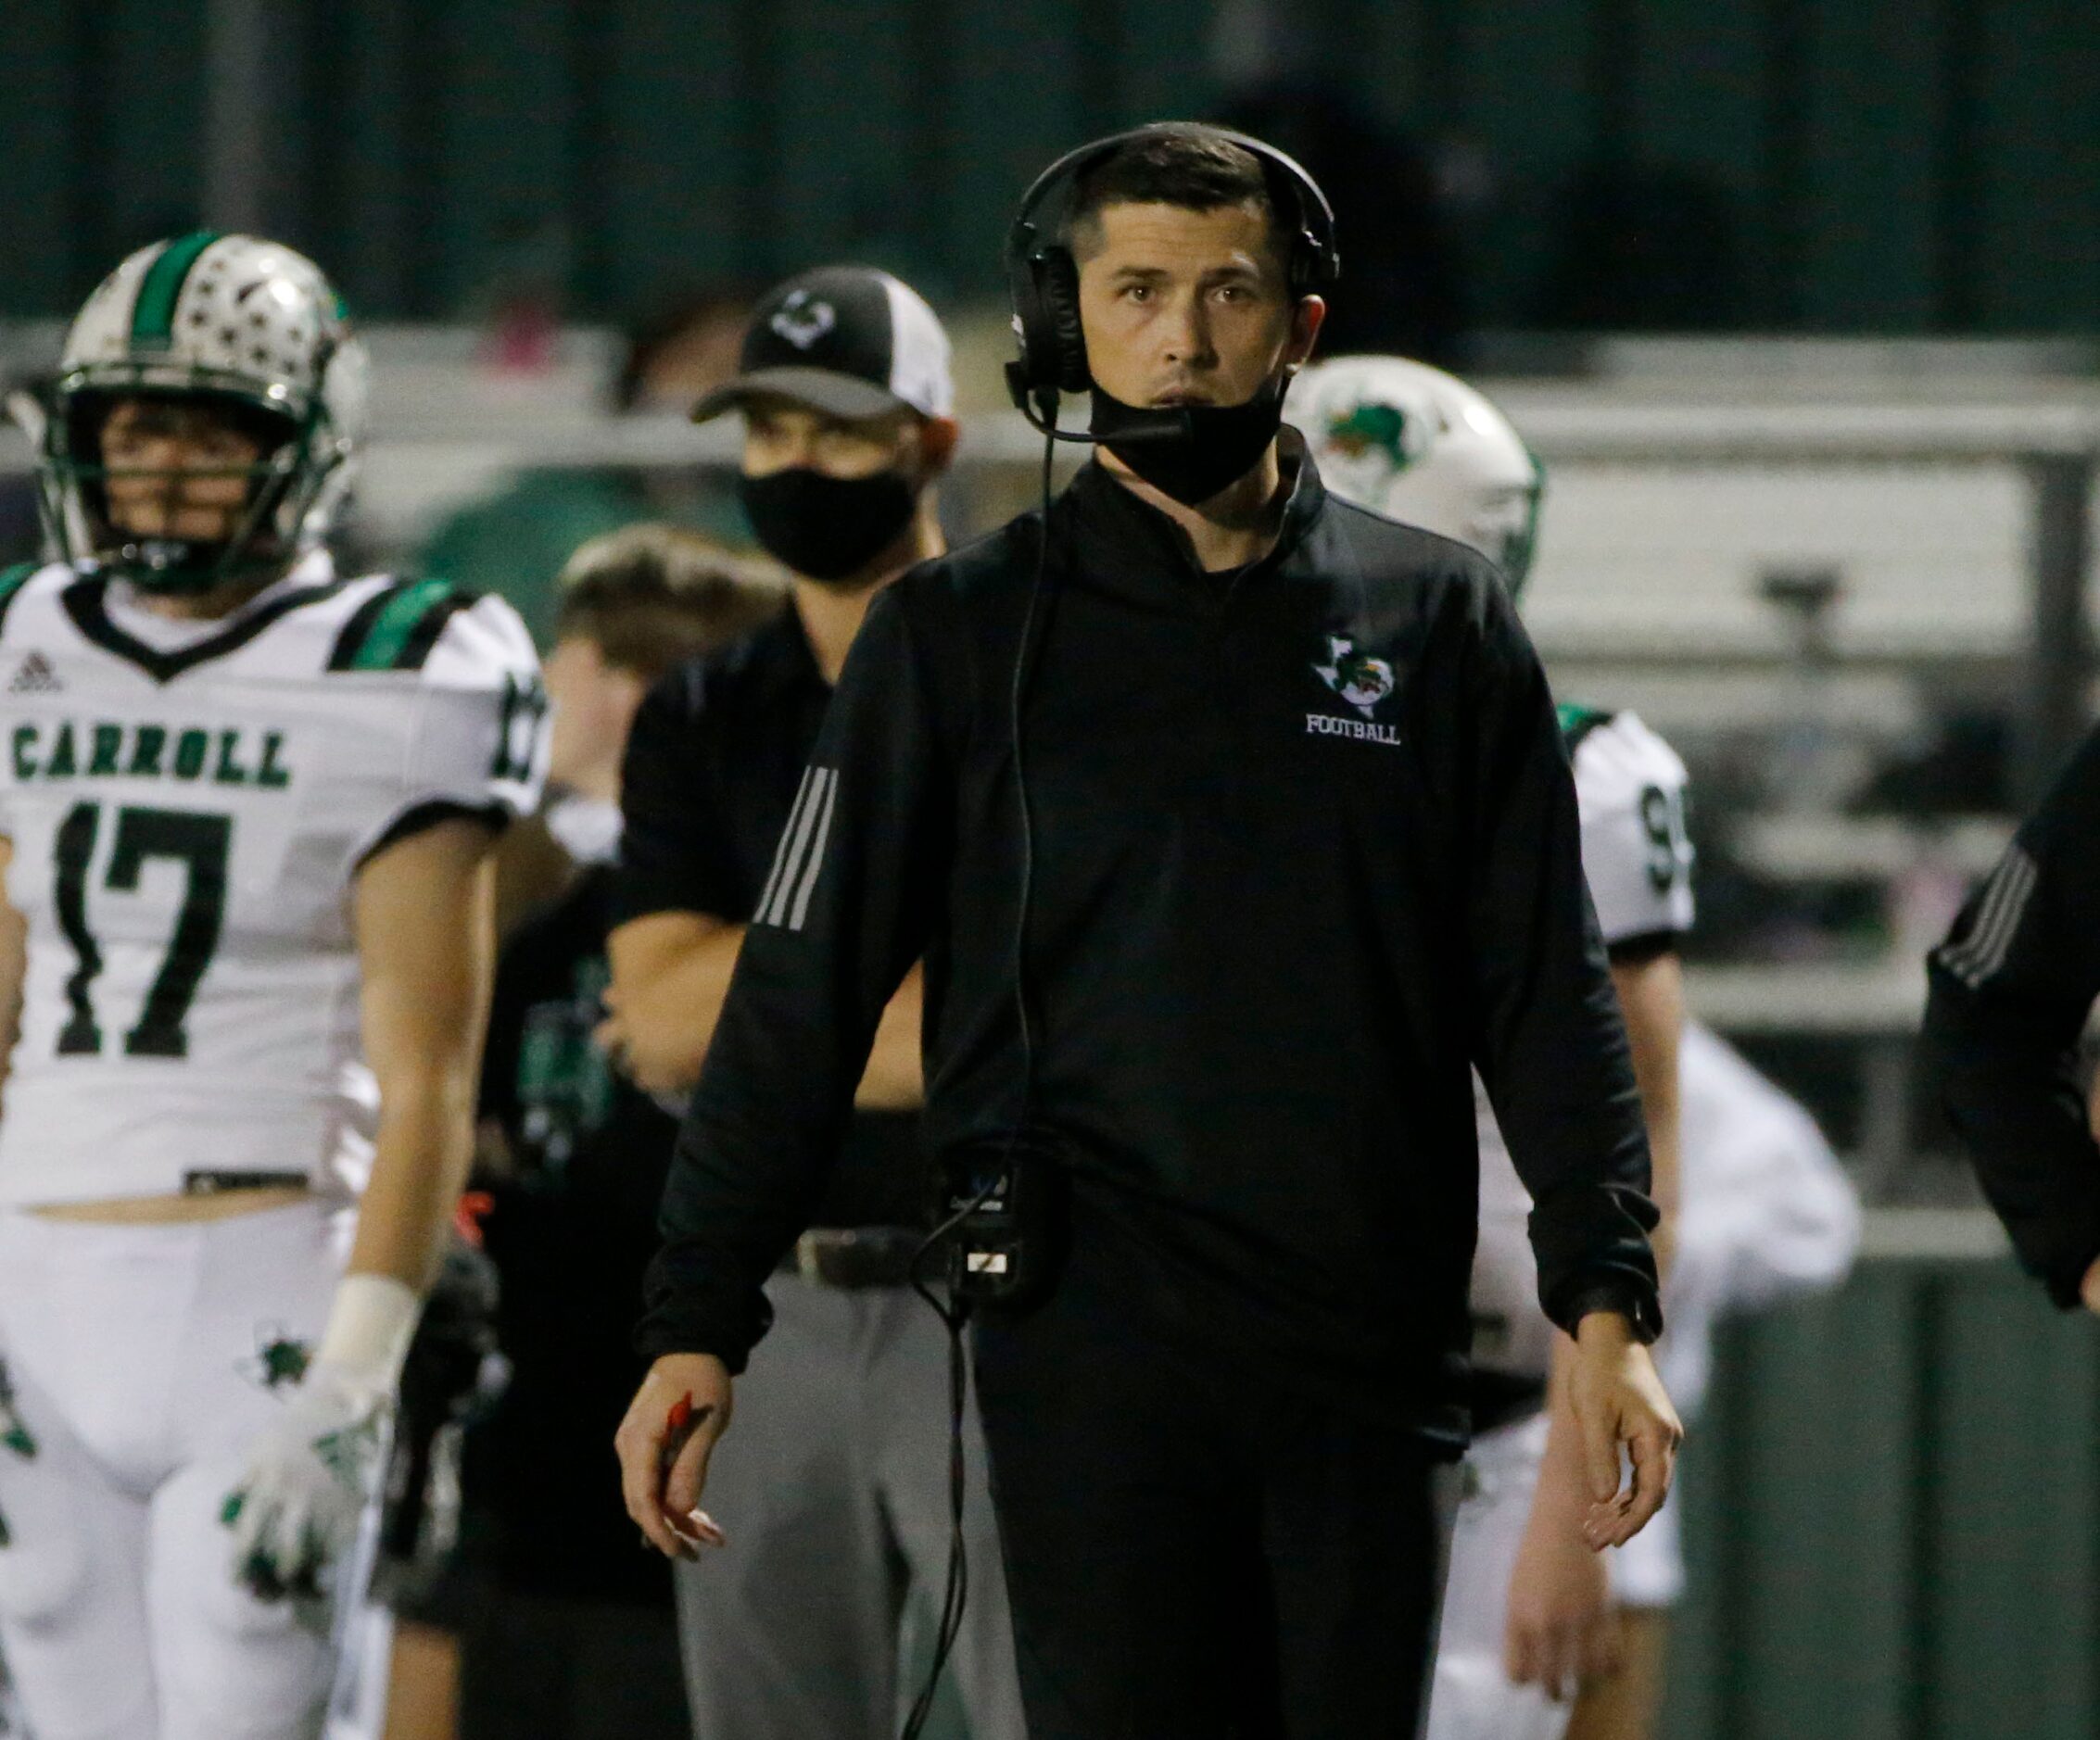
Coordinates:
1375	427
1357	677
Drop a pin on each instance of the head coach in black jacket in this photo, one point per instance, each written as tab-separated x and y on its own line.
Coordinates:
1261	800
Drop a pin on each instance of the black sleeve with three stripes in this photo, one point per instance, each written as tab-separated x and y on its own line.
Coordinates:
2011	987
847	908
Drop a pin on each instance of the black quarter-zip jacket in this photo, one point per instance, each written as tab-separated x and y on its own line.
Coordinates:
1304	847
2012	988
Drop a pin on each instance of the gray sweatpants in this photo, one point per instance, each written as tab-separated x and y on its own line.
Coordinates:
832	1487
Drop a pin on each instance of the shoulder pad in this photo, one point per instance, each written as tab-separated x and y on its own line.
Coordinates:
1577	723
482	643
1628	744
396	626
14	581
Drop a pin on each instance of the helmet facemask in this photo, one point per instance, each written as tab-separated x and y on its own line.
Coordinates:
262	531
1509	529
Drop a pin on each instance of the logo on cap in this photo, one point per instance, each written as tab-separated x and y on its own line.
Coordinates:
802	319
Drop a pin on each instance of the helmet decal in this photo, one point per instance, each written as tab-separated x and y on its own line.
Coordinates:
1372	426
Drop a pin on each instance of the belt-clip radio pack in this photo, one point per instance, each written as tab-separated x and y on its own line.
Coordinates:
1003	1200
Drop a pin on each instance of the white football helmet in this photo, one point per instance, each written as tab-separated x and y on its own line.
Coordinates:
231	318
1421	447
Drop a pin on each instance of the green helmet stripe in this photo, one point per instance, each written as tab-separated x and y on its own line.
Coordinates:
153	315
384	642
12	580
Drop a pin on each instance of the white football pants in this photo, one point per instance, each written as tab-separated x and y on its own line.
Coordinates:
1471	1697
145	1361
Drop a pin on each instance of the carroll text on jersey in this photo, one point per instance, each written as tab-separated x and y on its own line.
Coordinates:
235	756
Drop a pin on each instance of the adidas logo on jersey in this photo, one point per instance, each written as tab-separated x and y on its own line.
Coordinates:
35	676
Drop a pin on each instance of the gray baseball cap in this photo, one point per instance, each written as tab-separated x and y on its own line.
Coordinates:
846	340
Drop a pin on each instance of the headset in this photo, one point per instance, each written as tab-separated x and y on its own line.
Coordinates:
1043	277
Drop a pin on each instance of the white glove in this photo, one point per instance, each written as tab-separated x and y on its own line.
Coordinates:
295	1513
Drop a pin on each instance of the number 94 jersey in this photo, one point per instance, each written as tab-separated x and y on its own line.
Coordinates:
189	805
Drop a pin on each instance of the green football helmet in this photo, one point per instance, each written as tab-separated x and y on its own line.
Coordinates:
232	320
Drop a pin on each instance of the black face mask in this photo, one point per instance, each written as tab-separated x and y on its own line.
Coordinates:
1189	451
826	528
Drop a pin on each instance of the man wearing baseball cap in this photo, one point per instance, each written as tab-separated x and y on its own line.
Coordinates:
833	1500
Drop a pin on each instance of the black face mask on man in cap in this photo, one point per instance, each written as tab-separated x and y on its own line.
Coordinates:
823	527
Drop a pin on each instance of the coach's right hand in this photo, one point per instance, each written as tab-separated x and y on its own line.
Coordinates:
664	1445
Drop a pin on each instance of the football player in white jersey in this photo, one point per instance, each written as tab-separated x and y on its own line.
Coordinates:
248	807
1767	1213
1526	1609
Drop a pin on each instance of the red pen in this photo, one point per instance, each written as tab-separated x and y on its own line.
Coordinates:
679	1425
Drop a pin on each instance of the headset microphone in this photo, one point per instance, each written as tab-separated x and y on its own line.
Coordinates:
1039	405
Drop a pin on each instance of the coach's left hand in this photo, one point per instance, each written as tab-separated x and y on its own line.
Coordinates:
1618	1399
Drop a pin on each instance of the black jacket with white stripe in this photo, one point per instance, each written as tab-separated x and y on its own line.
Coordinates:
714	763
1304	847
2011	987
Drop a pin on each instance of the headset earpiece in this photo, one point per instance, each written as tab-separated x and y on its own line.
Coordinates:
1044	284
1058	288
1309	272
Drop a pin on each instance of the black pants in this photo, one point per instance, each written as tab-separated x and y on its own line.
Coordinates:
551	1668
1190	1554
